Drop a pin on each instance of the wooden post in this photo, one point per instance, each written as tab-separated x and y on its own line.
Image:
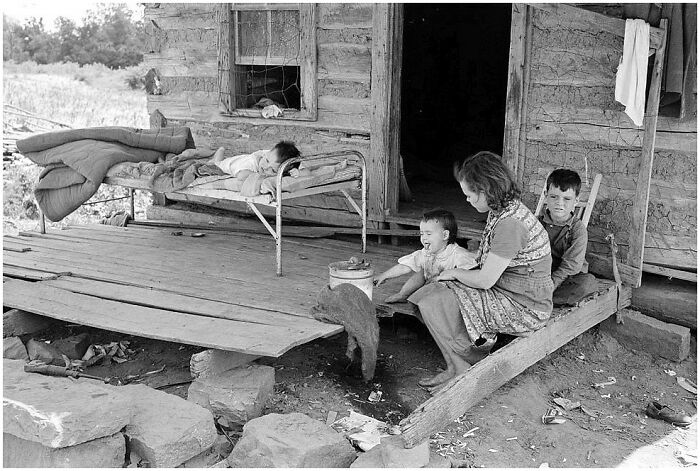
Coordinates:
226	66
515	95
635	254
383	164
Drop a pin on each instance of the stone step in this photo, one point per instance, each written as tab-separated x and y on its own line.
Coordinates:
167	430
105	452
60	412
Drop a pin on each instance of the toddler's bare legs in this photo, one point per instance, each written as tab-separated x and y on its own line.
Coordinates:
218	155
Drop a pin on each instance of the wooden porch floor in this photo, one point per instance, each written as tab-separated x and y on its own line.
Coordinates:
218	291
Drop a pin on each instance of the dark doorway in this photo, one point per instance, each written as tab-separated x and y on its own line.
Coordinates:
453	96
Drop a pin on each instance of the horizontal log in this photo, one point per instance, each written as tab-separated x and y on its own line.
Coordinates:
182	15
344	15
344	58
670	272
570	17
614	137
601	265
667	128
574	67
352	112
185	105
175	63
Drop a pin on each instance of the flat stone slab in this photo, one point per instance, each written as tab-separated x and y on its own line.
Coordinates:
167	430
60	412
290	441
14	349
640	332
237	395
105	452
390	453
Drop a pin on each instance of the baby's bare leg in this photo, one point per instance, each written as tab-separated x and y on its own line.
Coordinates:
218	155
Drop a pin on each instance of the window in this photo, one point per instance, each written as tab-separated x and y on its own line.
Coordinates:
267	56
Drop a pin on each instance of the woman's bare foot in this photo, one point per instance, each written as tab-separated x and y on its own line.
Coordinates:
218	155
437	379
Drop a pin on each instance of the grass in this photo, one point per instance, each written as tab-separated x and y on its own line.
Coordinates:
80	97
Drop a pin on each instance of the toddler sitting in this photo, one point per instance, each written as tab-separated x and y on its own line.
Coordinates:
264	162
438	234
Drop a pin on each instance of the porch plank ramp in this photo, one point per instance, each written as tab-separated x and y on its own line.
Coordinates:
218	291
489	374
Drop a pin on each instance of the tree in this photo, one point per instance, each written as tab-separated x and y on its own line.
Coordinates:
108	36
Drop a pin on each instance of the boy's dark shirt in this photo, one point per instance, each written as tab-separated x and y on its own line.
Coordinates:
568	242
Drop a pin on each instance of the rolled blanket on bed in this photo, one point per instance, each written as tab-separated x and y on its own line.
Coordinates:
77	160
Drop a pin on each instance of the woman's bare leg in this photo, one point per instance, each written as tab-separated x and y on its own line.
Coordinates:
440	313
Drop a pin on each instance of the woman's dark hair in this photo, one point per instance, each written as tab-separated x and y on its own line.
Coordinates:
485	172
446	219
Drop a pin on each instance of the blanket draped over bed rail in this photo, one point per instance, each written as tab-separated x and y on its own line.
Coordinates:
77	160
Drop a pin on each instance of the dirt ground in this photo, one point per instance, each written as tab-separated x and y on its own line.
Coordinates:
316	379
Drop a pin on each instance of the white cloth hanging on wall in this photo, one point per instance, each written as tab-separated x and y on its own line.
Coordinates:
631	78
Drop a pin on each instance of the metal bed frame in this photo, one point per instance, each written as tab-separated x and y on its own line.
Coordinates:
265	200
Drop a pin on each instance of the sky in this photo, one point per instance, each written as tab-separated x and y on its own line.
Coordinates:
49	10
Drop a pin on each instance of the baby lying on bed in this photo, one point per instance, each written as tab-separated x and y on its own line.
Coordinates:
264	162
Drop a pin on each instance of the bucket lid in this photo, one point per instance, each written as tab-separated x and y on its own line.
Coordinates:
357	269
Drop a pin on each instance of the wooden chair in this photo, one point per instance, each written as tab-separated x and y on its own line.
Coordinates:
584	207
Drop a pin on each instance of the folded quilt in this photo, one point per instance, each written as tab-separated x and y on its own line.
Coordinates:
77	160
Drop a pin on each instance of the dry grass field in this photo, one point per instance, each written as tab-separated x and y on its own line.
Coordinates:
79	97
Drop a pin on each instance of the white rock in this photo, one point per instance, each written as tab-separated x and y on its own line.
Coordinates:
60	412
237	395
214	362
106	452
290	441
167	430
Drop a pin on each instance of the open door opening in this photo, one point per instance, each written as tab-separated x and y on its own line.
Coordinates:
453	99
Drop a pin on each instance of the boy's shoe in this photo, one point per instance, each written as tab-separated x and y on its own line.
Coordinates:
665	413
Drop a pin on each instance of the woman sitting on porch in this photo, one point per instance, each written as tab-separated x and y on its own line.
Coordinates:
510	290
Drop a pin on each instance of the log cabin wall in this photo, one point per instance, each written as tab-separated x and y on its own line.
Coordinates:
570	119
183	52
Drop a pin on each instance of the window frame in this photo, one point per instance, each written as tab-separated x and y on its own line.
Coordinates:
229	78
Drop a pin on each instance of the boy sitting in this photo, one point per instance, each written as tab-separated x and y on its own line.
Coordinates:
264	162
568	238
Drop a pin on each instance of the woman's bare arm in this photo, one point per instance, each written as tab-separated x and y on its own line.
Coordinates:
482	278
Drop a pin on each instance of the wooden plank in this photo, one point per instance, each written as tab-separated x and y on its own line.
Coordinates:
670	272
182	303
344	15
205	284
500	367
28	273
635	253
252	339
185	105
588	20
181	15
515	94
